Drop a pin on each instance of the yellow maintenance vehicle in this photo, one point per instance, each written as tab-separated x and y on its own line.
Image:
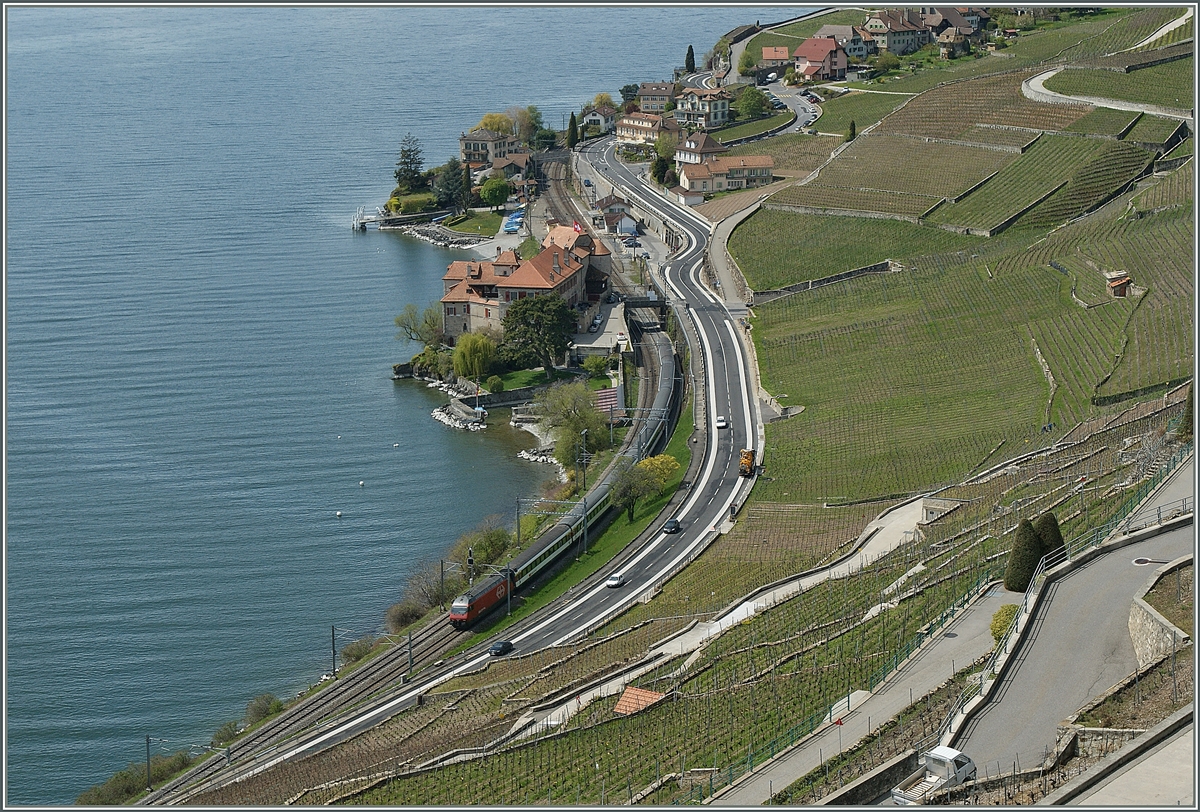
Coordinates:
746	465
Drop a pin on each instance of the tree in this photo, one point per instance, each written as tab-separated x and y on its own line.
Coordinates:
1023	558
665	145
1002	620
670	179
752	103
569	410
496	122
747	63
526	122
467	193
545	139
448	184
887	61
473	355
659	167
660	467
689	62
495	384
632	483
596	366
410	166
629	92
495	191
572	132
631	107
424	326
1048	532
542	326
852	132
604	100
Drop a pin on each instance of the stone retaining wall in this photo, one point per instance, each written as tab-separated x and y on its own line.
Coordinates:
1153	635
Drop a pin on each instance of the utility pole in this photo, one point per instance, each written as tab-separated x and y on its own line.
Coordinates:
333	648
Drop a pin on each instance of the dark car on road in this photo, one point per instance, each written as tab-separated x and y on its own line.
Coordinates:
672	526
500	647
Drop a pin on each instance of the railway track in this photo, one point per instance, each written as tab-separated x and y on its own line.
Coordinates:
371	683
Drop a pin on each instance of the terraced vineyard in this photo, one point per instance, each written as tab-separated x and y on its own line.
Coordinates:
1052	161
1124	33
1169	85
852	199
1183	32
1010	137
1108	171
751	128
776	248
1173	190
947	112
792	152
910	166
1132	60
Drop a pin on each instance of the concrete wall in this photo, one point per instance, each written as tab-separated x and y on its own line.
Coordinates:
875	783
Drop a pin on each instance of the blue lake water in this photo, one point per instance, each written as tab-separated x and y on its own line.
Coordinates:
198	346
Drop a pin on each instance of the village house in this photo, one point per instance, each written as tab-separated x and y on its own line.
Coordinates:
603	117
727	173
952	43
612	203
940	20
481	147
847	37
898	31
653	97
477	294
697	147
644	128
620	222
702	108
821	59
514	165
774	55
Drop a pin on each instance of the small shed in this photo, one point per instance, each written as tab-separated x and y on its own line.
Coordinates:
636	699
1118	283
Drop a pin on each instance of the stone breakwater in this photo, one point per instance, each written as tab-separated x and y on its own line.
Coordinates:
443	414
441	236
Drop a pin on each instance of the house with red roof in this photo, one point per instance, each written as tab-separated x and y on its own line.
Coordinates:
478	293
774	55
821	59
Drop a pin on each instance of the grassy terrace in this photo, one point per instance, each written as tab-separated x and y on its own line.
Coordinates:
864	109
1168	85
913	166
1153	129
793	152
992	135
1049	162
1173	190
1103	121
752	128
775	248
1111	168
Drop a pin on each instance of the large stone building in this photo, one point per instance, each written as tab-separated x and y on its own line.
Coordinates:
645	128
702	108
481	147
653	97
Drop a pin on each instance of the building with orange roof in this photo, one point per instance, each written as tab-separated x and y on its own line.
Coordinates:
477	293
774	55
822	59
729	172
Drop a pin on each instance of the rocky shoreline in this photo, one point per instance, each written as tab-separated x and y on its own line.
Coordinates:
441	236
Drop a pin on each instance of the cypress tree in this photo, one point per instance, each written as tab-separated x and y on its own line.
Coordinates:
853	131
1185	424
1023	558
1048	532
689	64
572	132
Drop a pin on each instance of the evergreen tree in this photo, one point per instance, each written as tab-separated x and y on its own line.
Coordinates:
1050	536
1023	559
447	184
852	132
465	200
541	325
689	64
572	132
1185	424
410	167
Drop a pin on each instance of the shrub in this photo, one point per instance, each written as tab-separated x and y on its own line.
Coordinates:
1023	559
1048	533
596	365
495	384
130	782
262	706
225	733
353	652
402	614
1002	620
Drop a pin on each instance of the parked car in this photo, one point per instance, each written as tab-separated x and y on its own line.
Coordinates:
500	648
594	327
672	526
612	297
632	244
615	580
587	182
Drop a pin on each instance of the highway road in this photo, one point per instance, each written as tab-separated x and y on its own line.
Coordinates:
728	393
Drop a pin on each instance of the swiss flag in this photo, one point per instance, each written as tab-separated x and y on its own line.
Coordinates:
838	721
578	228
